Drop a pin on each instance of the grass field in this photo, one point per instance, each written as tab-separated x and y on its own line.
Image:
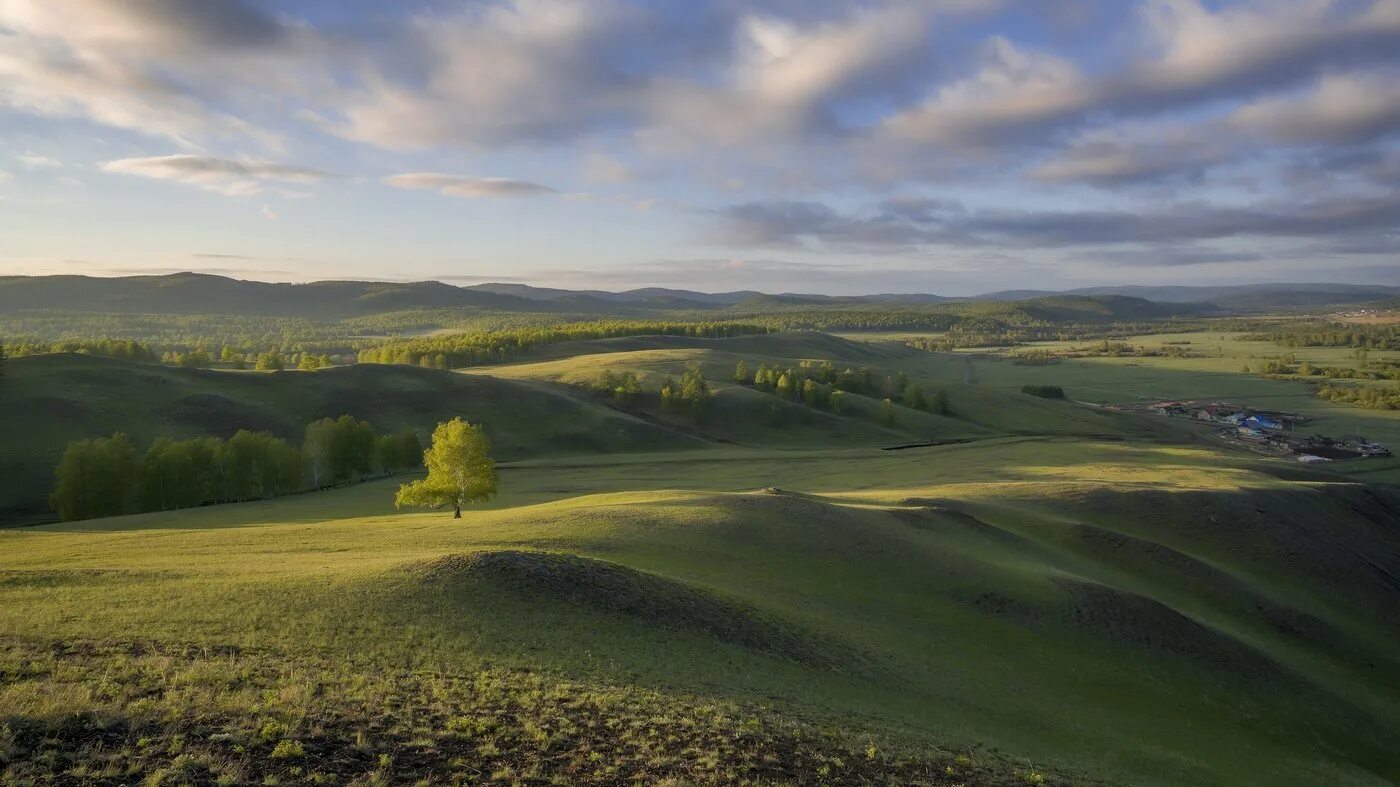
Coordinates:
1065	595
1216	376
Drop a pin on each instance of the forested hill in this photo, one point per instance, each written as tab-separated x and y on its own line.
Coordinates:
203	294
194	293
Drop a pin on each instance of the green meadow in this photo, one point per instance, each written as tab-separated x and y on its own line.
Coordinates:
1214	376
1026	591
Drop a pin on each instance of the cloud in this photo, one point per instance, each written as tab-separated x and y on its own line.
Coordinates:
268	213
162	67
915	224
533	72
1339	109
32	160
225	176
1239	51
469	187
1136	154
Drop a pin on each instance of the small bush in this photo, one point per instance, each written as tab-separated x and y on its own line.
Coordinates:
288	750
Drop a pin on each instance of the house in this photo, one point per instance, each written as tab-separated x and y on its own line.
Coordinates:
1235	419
1263	422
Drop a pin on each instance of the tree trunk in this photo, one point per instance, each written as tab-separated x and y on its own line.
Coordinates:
456	512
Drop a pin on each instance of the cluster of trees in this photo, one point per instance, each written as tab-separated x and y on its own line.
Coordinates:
1372	371
821	385
488	347
691	396
125	349
198	356
1272	366
250	334
1044	391
624	388
105	476
1375	337
1370	397
271	360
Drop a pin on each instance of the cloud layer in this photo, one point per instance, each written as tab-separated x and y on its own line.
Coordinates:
890	128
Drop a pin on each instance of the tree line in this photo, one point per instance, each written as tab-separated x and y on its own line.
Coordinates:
490	347
690	396
820	385
106	476
124	349
1374	337
1370	397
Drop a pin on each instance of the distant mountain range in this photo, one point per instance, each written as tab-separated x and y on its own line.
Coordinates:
195	293
1241	297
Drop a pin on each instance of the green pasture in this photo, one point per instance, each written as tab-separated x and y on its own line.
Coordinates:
953	595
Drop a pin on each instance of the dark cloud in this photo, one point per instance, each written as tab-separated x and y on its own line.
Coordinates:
225	23
812	224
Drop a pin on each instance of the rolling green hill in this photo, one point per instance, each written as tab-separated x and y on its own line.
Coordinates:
47	401
1129	612
531	410
1028	591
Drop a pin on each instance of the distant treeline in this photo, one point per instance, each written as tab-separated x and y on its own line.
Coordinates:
1365	369
816	385
476	349
821	385
1374	337
480	334
105	476
127	349
1369	397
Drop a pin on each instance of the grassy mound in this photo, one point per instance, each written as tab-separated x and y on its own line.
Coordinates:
608	588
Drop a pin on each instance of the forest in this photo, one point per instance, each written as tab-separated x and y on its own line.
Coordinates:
106	476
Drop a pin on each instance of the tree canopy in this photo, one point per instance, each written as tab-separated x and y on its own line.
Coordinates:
460	470
95	478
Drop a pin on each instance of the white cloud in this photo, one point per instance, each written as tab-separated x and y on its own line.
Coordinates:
226	176
1197	55
1012	90
470	187
32	160
269	213
1340	108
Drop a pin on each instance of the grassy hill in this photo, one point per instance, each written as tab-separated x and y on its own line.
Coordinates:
1127	611
1044	593
531	410
47	401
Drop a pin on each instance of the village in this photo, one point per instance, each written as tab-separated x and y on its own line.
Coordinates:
1270	432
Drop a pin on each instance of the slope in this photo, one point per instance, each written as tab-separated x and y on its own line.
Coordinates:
49	400
1144	613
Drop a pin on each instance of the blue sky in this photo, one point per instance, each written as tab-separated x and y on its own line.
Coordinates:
948	146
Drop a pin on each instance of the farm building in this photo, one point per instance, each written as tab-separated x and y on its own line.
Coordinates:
1261	421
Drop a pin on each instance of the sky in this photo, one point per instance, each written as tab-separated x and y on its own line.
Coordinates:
944	146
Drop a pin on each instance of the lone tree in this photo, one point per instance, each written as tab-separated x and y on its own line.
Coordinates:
460	470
